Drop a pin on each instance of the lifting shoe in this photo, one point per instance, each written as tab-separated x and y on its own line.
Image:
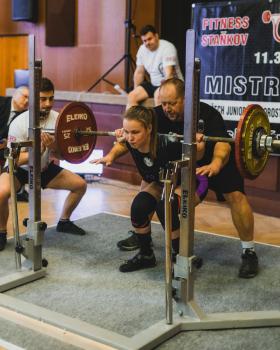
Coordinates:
249	265
130	243
68	226
3	240
139	262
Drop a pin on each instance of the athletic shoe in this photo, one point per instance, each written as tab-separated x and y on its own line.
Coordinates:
69	227
138	262
249	265
130	243
3	240
23	196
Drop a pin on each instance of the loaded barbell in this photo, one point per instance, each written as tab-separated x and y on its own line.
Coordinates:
76	134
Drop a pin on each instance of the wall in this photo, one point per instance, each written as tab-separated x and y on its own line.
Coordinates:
100	41
17	47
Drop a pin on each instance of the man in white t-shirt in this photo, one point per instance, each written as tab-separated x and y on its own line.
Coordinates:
159	59
52	175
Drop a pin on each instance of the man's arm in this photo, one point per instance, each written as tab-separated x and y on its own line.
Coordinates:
47	142
169	72
220	158
139	76
23	158
3	143
119	149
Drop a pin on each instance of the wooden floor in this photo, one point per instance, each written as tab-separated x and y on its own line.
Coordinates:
114	196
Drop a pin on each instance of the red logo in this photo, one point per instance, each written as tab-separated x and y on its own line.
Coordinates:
268	17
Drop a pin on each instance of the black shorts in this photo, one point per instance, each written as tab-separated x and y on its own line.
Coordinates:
149	88
228	180
46	176
2	157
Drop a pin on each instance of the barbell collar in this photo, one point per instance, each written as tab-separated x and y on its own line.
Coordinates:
265	143
268	143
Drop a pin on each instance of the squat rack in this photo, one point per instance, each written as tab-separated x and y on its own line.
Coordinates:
31	245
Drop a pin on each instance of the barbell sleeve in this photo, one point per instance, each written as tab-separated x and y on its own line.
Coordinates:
275	144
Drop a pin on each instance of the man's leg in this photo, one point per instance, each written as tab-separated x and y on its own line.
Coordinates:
5	193
156	98
22	195
66	180
136	96
243	219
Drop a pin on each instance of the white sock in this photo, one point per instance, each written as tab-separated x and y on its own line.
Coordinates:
248	245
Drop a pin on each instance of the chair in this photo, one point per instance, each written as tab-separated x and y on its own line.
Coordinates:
21	77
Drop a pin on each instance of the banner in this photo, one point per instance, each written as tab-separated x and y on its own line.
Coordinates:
238	43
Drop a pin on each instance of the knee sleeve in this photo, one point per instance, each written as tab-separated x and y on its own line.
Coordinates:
175	210
143	205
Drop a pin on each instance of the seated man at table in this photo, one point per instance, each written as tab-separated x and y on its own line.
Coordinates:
52	175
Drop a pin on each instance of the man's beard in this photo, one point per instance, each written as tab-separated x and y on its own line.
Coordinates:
44	113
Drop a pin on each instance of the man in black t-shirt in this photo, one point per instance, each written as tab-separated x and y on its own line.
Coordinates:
218	163
227	179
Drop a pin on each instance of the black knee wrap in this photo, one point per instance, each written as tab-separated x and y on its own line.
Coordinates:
143	205
175	210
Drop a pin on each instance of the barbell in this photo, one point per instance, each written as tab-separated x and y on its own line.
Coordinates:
76	134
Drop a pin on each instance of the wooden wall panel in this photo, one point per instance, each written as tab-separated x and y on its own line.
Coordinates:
13	56
269	178
60	22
